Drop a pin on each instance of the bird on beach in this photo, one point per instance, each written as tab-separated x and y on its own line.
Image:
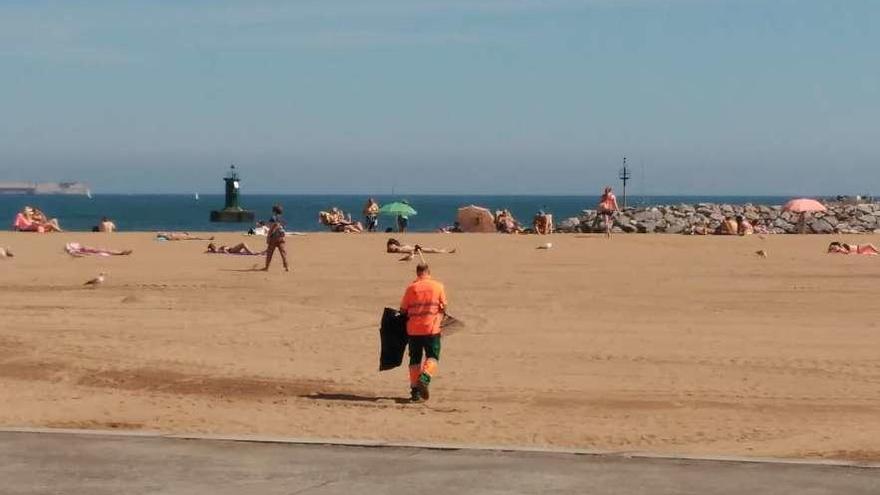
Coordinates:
96	281
761	253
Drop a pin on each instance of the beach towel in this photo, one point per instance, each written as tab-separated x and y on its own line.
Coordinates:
393	338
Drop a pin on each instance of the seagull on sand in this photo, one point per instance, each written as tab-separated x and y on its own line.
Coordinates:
96	281
761	253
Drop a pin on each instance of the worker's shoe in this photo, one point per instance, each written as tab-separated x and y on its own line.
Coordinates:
414	395
422	386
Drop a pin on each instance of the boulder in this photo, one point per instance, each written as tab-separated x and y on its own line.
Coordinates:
820	226
646	227
676	227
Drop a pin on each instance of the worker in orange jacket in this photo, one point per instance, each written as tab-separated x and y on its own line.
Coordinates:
424	304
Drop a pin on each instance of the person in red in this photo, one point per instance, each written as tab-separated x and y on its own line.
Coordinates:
607	208
424	304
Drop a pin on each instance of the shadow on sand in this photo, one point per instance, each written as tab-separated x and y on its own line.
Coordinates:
354	398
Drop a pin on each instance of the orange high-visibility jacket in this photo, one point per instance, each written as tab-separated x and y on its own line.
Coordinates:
424	302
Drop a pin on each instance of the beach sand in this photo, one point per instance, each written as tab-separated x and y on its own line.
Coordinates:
667	344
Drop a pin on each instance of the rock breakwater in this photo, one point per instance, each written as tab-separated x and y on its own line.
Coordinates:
683	219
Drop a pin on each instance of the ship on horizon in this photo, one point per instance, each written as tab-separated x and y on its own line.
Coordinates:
29	188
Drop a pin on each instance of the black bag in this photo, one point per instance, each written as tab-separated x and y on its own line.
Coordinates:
393	338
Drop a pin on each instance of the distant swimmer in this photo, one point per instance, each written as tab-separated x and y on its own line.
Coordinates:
424	304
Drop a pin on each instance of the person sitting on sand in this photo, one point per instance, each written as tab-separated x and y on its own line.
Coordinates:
260	229
106	225
543	223
33	220
240	248
745	227
180	236
728	227
506	223
49	224
844	248
338	222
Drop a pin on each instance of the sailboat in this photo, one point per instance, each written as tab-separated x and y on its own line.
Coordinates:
89	193
196	196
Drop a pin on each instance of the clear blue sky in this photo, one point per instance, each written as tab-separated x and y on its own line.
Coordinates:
443	96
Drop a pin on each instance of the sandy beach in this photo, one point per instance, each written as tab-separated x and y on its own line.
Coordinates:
656	343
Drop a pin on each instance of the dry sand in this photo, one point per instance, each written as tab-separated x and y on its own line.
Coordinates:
651	343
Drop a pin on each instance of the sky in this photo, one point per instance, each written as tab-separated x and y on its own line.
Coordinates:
776	97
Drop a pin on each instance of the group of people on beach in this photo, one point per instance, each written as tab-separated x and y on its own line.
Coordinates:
731	225
31	219
339	221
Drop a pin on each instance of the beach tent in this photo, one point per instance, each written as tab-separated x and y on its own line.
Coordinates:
475	219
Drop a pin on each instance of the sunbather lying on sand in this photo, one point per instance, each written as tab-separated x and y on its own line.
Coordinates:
77	249
180	236
844	248
394	246
240	248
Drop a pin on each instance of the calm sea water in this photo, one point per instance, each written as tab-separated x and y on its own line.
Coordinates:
185	213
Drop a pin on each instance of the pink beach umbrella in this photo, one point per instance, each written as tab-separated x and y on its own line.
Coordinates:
804	205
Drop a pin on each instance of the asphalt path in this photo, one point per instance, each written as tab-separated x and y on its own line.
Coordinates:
88	464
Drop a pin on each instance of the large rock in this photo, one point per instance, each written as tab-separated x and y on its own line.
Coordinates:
676	227
820	226
647	227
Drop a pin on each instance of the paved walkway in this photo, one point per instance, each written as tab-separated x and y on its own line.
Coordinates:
74	464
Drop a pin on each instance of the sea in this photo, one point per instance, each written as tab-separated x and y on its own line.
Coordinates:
179	212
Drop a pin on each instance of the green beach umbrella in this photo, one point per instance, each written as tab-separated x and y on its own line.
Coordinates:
398	208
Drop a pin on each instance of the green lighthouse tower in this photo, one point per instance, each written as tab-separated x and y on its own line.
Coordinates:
232	210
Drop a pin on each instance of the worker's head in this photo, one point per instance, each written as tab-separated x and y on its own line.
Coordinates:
423	269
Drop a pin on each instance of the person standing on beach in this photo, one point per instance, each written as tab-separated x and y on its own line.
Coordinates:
424	304
402	222
371	215
606	209
275	238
